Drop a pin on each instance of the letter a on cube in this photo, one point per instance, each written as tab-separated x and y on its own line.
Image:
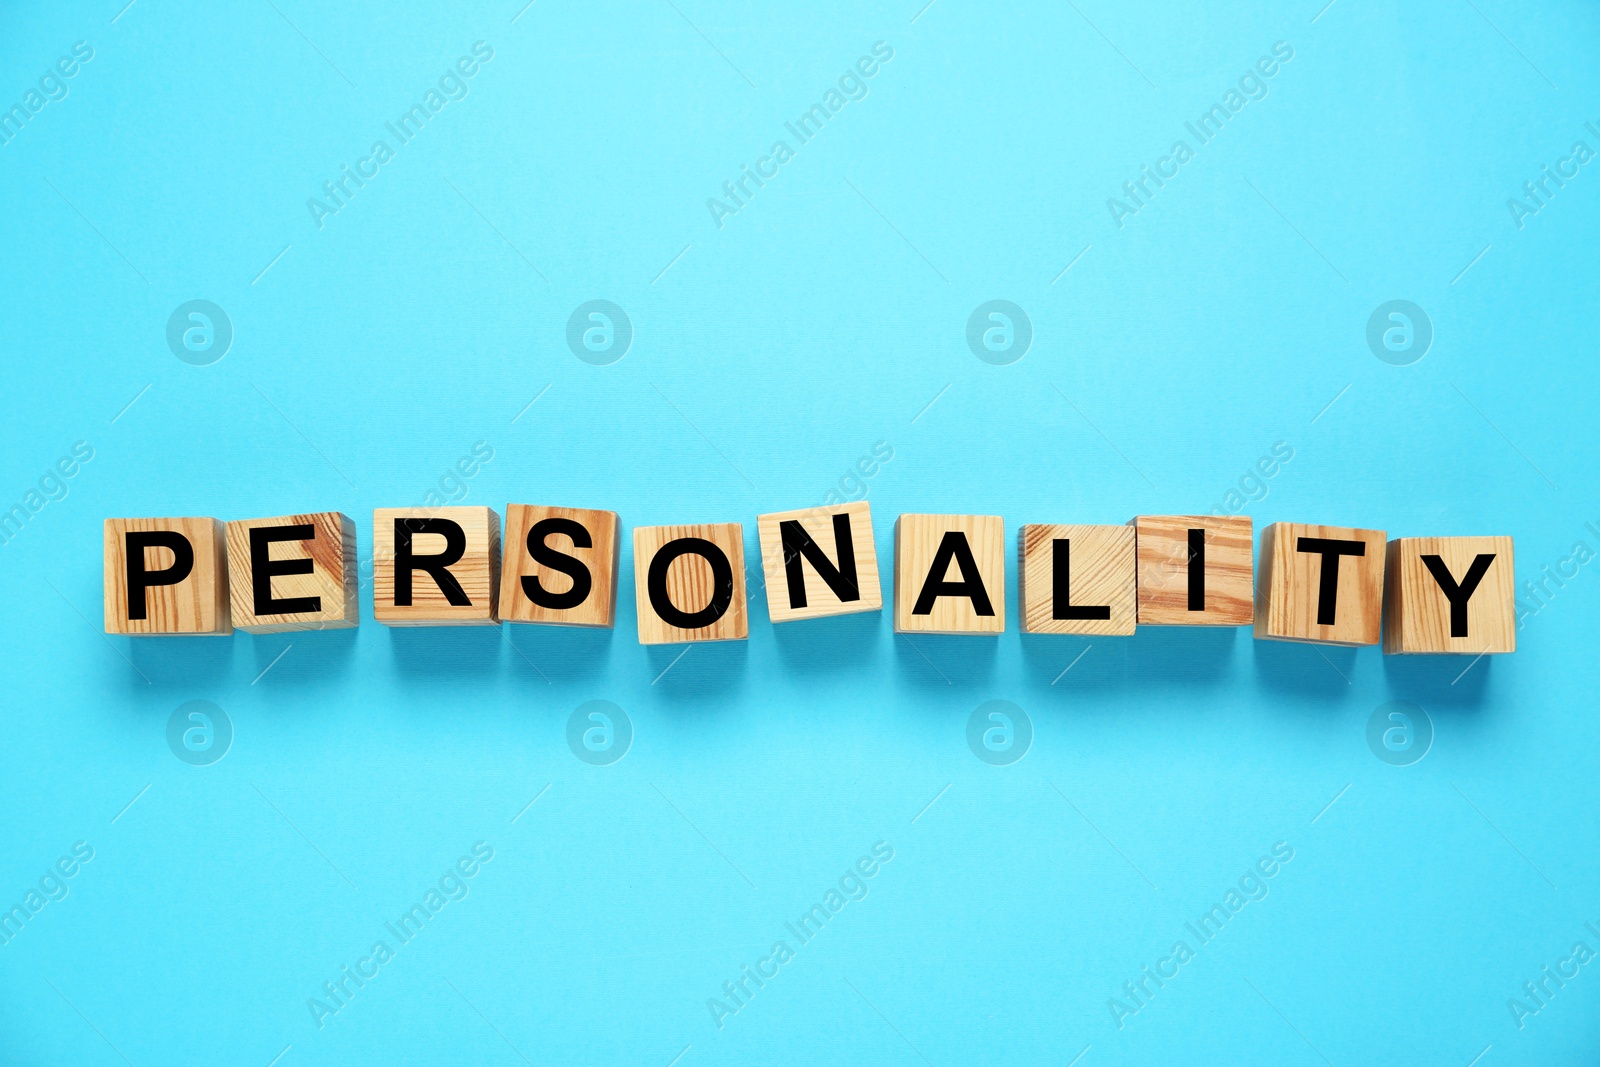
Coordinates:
949	574
293	572
689	583
436	566
1322	584
166	576
819	561
1450	594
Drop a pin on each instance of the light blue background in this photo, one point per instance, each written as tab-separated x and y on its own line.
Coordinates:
769	357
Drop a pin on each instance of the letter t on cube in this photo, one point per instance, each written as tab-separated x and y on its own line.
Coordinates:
1322	584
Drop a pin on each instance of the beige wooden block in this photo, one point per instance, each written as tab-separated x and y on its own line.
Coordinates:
436	566
689	583
560	566
1450	594
1215	589
949	574
819	561
293	572
1077	579
166	576
1320	583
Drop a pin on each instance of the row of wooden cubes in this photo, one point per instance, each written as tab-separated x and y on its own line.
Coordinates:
442	566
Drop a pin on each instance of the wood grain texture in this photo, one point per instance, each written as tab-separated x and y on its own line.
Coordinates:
477	571
332	551
196	605
820	599
1289	593
1103	572
599	607
690	583
917	540
1417	615
1163	549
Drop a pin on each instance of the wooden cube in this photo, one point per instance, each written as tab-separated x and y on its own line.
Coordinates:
560	566
436	566
293	572
819	561
166	576
1195	570
1450	594
689	583
1320	583
1077	579
949	574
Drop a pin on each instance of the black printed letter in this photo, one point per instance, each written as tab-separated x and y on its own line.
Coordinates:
954	546
1060	587
1331	550
546	556
437	565
263	567
139	579
1458	595
797	543
1197	569
721	583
